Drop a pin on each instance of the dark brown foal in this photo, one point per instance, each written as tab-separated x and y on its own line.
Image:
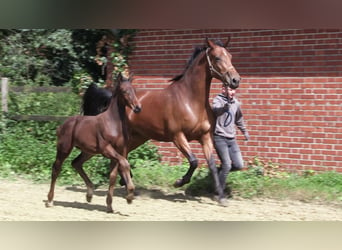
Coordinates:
104	134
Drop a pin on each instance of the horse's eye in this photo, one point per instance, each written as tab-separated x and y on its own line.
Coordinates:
217	58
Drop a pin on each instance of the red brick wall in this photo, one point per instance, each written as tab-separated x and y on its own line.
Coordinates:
291	89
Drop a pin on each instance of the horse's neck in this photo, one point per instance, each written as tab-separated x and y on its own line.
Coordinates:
112	111
117	109
197	79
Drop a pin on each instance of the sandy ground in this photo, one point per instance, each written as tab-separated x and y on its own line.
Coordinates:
21	200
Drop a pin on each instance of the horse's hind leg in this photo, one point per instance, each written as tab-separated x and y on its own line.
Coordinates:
77	163
56	169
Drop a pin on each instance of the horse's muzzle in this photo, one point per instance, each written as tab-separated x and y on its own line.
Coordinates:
234	82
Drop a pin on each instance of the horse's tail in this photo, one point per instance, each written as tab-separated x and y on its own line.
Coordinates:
95	100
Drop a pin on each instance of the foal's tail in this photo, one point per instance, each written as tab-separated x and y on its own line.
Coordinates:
95	100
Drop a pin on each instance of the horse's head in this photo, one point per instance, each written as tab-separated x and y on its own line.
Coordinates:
128	93
220	64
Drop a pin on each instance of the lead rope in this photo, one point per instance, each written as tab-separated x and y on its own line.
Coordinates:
226	121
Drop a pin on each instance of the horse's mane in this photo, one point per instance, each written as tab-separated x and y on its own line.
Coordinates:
95	100
196	52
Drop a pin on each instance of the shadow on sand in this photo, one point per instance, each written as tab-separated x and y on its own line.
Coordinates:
193	192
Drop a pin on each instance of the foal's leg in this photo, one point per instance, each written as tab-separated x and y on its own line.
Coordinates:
183	145
135	141
56	169
112	180
77	163
124	168
125	171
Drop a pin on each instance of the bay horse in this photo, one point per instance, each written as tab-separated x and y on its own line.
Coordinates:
104	134
181	112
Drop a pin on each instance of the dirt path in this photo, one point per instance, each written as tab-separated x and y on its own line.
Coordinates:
23	201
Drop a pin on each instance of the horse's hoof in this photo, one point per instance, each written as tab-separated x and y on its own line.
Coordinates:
110	210
89	198
49	204
178	183
129	198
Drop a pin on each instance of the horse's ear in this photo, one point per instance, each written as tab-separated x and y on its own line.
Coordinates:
130	78
227	43
119	77
210	43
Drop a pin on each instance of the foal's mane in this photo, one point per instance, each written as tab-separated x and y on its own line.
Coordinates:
197	51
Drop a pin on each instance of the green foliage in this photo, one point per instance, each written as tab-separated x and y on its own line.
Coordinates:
37	56
44	103
85	42
266	168
54	56
144	155
81	81
157	175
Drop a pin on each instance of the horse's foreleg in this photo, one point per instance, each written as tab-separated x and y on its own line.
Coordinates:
207	144
124	168
135	141
112	180
77	163
183	145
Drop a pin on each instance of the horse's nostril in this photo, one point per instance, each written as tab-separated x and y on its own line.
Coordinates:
236	81
137	109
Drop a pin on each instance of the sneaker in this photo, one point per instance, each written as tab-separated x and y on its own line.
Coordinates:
223	202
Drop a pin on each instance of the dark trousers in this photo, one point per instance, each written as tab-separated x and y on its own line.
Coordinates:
230	156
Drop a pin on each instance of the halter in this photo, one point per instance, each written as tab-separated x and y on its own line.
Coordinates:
211	67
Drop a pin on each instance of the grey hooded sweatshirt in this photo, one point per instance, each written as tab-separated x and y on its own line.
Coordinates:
228	117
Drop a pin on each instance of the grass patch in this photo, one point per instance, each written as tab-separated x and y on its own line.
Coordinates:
27	150
322	187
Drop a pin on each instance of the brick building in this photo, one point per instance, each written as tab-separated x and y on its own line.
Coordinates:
291	89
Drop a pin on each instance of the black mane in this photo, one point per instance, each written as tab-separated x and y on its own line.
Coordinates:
95	100
196	52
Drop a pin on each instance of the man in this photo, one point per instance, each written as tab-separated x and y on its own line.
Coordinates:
228	114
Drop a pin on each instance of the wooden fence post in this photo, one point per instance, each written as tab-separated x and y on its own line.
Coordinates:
4	94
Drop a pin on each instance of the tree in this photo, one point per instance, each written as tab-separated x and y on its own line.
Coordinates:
102	52
37	56
54	56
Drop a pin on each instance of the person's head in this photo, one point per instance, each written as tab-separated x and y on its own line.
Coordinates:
228	92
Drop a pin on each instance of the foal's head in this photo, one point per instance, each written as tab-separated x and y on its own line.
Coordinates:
220	64
127	92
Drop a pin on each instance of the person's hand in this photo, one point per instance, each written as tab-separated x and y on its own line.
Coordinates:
226	106
246	136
